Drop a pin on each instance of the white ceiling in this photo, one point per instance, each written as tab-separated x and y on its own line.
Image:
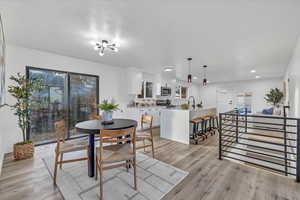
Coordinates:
230	36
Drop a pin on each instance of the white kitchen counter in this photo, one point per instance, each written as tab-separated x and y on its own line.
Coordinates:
175	123
135	113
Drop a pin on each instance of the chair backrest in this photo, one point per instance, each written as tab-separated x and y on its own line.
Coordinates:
95	117
146	120
60	130
111	137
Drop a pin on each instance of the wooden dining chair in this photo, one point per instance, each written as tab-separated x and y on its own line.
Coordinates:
116	146
64	146
95	117
146	134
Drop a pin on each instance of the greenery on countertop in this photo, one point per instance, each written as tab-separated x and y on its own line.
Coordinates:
185	106
274	97
108	106
199	105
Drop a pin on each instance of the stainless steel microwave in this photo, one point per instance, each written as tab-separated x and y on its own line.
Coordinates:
165	91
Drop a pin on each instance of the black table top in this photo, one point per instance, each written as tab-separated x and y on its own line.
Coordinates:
94	126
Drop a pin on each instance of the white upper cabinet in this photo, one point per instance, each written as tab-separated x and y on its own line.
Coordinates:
157	84
135	80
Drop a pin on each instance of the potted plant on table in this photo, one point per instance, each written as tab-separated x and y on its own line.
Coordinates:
108	108
23	91
274	97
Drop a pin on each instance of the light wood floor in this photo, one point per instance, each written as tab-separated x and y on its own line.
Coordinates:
209	178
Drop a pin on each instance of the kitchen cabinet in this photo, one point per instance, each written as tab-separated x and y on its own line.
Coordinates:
136	114
146	91
135	79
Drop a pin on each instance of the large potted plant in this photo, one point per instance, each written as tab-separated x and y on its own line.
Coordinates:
275	97
22	91
108	108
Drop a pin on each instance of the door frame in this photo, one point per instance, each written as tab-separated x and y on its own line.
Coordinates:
67	97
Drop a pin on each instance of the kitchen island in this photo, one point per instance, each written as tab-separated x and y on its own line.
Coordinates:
175	122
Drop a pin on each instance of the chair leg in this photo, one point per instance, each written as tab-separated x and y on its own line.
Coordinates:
97	168
55	167
144	145
134	169
152	147
127	165
61	159
101	182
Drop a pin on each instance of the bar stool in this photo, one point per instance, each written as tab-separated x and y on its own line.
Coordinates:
201	132
211	128
215	125
196	134
205	125
195	128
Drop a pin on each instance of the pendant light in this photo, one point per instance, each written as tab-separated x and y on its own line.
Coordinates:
204	78
190	73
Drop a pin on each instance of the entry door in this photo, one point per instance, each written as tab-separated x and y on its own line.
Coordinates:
224	101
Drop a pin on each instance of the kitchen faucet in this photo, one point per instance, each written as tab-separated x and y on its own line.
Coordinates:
194	103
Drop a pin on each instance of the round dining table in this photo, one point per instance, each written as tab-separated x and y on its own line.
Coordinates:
92	127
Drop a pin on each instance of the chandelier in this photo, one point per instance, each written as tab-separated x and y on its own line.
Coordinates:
103	45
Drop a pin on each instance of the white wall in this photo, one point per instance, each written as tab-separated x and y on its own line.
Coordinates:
1	152
112	83
293	75
258	88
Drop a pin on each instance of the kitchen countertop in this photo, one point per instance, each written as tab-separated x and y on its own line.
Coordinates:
142	107
191	109
175	122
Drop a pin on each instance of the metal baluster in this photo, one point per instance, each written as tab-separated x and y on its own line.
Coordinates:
237	126
246	118
298	152
285	146
220	136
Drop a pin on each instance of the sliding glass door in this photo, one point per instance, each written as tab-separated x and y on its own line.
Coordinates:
82	99
49	106
65	96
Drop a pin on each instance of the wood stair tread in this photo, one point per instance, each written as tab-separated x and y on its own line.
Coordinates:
266	139
279	161
265	151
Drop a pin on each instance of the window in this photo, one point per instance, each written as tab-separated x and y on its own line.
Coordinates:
146	90
181	92
149	88
184	91
65	95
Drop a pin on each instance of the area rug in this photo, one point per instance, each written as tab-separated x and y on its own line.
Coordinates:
154	179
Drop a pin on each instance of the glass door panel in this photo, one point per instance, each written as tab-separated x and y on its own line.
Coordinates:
83	98
51	104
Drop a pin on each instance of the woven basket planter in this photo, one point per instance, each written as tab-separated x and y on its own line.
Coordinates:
23	151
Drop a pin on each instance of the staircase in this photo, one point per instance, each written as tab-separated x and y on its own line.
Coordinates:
269	143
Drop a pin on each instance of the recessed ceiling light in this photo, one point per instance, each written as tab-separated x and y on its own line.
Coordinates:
257	76
253	71
195	77
168	69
